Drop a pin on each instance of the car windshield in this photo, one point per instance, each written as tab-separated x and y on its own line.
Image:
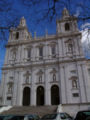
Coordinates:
11	117
31	117
49	116
87	113
2	117
64	116
82	115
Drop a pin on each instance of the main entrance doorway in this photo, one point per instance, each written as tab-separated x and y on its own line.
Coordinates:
55	95
26	96
40	95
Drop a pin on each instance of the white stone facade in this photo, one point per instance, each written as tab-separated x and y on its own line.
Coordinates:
46	70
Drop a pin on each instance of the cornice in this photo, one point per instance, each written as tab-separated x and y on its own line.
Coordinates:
43	39
70	18
43	64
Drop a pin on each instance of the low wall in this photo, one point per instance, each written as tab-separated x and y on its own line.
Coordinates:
72	109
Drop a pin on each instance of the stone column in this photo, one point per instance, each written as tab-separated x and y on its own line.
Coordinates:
81	84
32	53
33	88
19	90
60	48
4	88
46	52
63	85
47	88
86	82
14	93
7	56
19	54
23	53
21	78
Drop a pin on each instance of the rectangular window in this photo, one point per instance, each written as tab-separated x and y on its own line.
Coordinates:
17	35
8	98
89	72
29	53
40	52
75	94
53	51
73	71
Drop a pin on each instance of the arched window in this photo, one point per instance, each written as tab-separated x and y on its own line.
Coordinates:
67	27
26	96
40	95
74	84
17	35
55	100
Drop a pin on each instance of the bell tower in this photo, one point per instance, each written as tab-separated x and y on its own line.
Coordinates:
21	32
67	23
68	33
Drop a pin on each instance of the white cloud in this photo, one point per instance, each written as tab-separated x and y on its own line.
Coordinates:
77	12
85	26
86	42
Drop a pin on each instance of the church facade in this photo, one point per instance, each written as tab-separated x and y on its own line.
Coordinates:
47	70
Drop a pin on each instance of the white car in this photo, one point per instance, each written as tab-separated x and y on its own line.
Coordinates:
57	116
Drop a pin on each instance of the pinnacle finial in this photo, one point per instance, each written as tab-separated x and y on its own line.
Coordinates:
23	21
65	13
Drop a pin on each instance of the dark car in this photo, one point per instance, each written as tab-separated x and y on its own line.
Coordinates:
20	117
57	116
83	115
2	117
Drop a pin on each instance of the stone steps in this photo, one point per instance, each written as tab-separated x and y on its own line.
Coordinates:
40	110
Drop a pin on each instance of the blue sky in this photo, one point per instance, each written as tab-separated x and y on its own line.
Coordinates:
34	12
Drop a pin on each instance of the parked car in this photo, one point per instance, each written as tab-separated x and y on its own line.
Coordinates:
57	116
2	117
20	117
32	117
83	115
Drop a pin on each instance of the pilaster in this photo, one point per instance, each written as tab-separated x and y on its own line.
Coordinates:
33	88
47	88
81	84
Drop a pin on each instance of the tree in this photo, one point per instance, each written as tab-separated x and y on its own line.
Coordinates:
8	18
49	10
39	11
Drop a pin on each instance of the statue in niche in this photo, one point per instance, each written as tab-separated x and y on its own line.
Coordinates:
27	79
10	85
74	84
14	54
40	78
70	47
54	77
